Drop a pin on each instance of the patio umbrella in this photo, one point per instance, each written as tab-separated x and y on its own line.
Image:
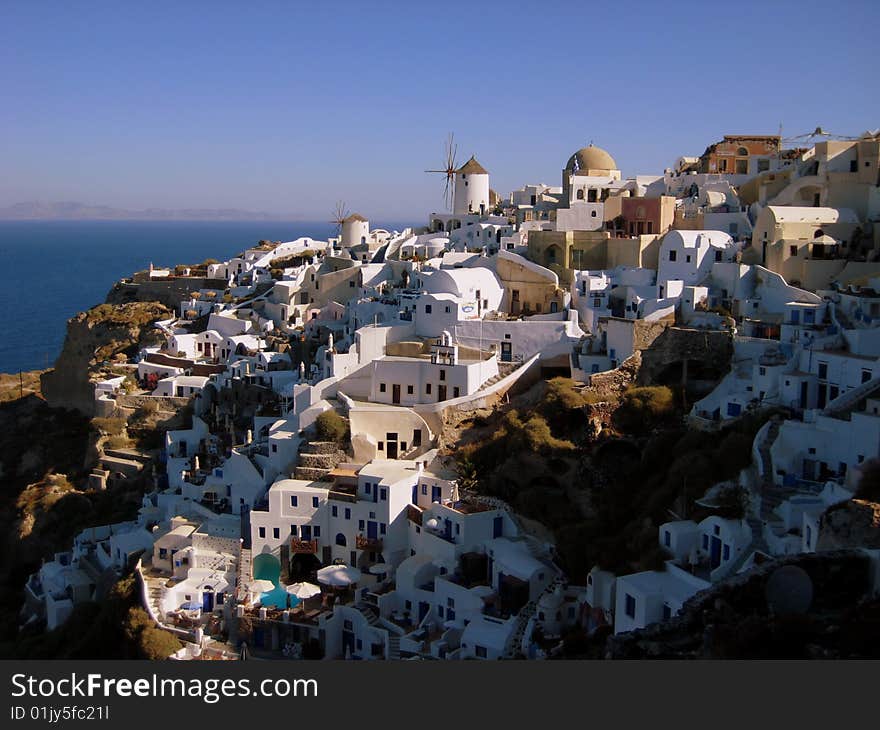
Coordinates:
303	590
339	576
260	586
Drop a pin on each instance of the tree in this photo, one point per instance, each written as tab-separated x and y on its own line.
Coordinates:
330	426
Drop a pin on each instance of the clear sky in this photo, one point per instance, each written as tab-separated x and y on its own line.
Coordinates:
289	106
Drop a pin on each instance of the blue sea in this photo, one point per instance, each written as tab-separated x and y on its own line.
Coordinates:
54	269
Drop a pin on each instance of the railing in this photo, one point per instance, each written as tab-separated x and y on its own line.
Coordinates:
368	543
303	547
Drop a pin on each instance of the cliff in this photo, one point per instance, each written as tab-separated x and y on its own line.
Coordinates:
94	337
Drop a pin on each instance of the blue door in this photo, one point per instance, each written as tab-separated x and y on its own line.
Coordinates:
306	532
715	552
435	494
207	601
498	527
795	317
372	530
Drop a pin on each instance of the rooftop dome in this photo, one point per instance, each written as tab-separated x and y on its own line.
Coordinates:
590	158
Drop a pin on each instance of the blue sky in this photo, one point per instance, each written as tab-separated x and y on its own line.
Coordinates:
289	106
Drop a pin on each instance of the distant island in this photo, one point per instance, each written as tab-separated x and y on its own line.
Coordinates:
34	210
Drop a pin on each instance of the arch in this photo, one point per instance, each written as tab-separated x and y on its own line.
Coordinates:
363	240
742	152
553	255
340	539
819	232
266	567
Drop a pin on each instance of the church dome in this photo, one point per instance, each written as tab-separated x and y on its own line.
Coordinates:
590	158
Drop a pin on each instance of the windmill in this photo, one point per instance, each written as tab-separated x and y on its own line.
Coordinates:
340	213
449	171
817	135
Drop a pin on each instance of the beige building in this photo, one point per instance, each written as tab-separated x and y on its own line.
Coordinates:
566	251
806	246
528	287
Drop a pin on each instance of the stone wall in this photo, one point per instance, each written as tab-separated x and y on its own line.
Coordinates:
170	292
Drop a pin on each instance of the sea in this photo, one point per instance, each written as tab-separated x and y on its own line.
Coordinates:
51	270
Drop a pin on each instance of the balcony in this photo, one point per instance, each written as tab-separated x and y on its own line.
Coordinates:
303	547
372	544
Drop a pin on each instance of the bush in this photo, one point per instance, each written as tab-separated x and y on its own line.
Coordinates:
155	643
331	426
732	503
643	408
109	426
869	483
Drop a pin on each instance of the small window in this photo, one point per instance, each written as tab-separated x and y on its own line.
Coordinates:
480	651
428	388
792	250
381	387
348	513
442	374
276	532
334	510
456	391
315	502
293	500
630	606
262	532
382	528
409	389
316	531
673	255
427	309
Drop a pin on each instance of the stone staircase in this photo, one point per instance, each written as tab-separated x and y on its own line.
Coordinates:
514	643
369	613
393	647
316	459
245	565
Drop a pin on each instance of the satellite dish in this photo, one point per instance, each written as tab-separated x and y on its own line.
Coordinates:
789	590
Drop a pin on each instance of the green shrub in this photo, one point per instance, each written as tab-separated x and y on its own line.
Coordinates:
869	483
641	409
109	426
155	643
330	426
732	503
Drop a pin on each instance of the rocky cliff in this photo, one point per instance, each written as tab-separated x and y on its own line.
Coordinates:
94	337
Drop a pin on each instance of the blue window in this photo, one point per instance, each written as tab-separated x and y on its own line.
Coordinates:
316	531
276	532
360	525
630	608
293	529
424	490
667	538
450	602
315	502
347	513
334	511
382	528
727	552
383	494
293	501
367	487
262	532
